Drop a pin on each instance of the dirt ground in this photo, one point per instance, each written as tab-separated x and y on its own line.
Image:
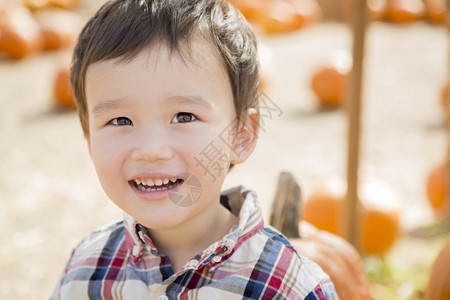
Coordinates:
50	197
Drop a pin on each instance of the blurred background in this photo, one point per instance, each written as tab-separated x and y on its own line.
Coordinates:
50	197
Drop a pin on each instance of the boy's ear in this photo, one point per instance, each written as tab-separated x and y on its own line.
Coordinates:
246	137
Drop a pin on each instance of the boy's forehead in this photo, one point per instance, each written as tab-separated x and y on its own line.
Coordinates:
199	52
196	57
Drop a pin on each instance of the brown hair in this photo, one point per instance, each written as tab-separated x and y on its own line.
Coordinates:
123	28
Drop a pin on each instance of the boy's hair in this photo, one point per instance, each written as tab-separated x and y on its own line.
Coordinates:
123	28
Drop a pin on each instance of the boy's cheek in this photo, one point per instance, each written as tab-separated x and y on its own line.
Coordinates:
211	162
104	153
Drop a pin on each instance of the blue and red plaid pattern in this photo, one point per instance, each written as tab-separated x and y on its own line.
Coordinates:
253	261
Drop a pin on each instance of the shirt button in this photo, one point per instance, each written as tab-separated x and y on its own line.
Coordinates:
216	259
136	250
163	297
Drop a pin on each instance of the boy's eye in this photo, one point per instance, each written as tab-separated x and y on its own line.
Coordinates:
121	121
183	117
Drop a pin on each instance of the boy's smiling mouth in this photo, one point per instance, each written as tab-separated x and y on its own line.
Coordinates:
154	185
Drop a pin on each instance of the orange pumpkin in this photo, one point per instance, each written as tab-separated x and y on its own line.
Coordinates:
379	230
329	85
249	8
377	8
401	11
41	4
36	4
62	90
20	34
329	81
280	16
325	205
337	258
435	11
277	17
436	189
438	287
59	28
65	4
378	214
308	11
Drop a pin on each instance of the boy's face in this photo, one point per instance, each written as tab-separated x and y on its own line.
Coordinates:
158	133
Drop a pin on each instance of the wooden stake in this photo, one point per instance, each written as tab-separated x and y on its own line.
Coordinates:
358	22
447	195
285	214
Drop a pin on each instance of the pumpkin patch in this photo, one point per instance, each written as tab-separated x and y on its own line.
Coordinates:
35	34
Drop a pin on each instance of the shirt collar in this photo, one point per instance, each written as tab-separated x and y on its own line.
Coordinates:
242	202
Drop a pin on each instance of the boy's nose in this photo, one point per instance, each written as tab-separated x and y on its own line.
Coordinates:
152	145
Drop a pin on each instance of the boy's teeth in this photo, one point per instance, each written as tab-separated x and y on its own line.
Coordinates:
155	182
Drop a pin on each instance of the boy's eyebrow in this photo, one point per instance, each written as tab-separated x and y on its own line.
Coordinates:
179	99
108	105
191	100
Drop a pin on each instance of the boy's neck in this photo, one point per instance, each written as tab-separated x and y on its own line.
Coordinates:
184	242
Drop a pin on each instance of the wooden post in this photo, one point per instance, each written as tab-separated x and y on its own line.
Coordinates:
447	195
285	215
358	22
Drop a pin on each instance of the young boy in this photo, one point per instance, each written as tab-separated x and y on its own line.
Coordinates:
167	97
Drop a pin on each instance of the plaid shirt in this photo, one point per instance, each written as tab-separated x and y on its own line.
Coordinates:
253	261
